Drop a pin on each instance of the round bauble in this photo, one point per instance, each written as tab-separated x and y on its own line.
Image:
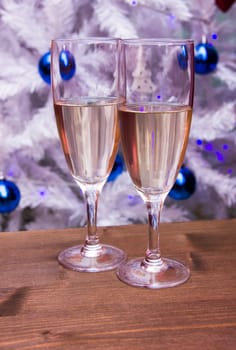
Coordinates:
9	196
44	67
183	57
206	58
67	65
117	169
184	186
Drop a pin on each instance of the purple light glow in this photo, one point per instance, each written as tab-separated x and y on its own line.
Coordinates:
199	142
219	156
133	200
209	147
42	193
171	20
10	173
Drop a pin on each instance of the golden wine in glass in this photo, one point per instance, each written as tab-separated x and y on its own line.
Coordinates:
156	80
86	111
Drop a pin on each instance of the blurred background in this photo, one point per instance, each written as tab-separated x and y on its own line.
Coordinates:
36	189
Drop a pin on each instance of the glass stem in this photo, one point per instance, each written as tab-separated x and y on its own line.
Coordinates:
92	205
154	208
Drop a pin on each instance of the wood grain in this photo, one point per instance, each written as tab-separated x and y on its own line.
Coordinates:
45	306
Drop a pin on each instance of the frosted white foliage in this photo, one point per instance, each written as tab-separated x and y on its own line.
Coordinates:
211	178
23	19
62	23
227	75
117	23
174	213
120	194
204	8
214	124
30	153
178	7
44	123
19	77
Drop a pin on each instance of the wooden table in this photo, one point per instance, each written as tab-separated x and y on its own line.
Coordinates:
45	306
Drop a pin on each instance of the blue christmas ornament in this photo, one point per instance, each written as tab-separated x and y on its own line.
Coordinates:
184	186
117	169
9	196
183	57
67	65
44	67
206	58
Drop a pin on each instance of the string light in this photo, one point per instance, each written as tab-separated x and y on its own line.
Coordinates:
209	147
199	142
219	156
42	192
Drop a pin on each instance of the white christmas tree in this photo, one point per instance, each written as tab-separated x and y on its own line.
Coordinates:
31	155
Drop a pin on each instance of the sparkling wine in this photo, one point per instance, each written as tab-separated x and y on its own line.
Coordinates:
89	135
154	140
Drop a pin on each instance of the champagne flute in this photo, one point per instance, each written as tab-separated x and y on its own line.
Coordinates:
156	80
85	95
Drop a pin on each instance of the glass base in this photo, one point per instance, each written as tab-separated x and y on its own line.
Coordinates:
162	274
91	258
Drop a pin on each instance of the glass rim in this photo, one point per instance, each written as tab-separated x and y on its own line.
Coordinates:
94	39
157	41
